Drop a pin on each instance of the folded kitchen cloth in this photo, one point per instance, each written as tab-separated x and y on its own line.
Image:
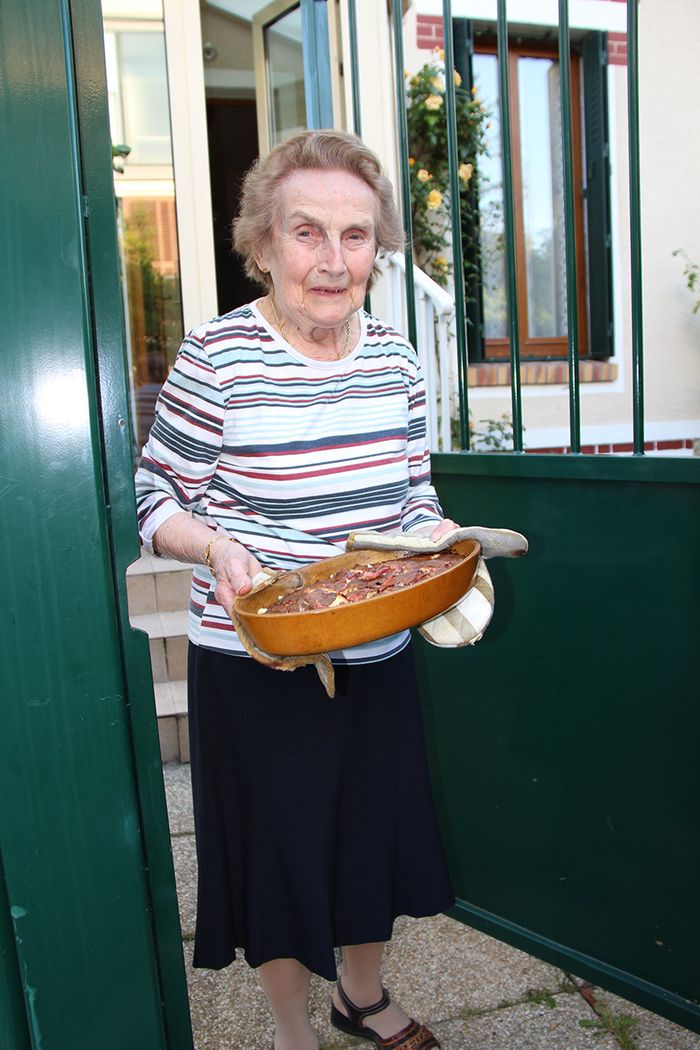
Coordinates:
465	622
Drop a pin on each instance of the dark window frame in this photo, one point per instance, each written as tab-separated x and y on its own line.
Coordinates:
591	191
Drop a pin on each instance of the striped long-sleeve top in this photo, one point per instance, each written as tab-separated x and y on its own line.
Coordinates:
285	453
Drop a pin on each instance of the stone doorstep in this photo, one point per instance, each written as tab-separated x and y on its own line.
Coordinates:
174	737
149	563
167	635
171	709
157	585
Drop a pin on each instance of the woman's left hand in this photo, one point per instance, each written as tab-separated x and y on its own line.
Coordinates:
434	532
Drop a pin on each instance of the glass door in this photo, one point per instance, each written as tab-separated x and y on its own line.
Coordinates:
292	69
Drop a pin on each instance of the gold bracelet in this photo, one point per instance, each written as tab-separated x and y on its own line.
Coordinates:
207	551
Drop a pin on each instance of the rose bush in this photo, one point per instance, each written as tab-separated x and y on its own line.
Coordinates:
430	183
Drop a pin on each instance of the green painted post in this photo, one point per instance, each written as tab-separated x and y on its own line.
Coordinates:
402	126
569	225
456	226
354	68
635	225
509	222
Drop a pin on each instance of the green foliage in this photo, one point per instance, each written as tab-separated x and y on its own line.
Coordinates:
691	272
491	435
153	296
430	183
543	996
119	153
618	1025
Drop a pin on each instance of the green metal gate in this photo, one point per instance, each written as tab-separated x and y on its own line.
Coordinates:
564	747
90	951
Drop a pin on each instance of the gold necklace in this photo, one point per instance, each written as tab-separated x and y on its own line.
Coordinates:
282	329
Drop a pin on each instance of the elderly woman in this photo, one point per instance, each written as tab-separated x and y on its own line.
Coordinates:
284	425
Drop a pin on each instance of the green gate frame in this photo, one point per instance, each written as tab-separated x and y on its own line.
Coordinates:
90	948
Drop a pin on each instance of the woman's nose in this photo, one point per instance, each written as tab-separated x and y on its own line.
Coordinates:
331	256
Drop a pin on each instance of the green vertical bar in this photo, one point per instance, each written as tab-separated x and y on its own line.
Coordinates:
635	224
354	68
509	217
402	125
569	225
355	87
457	256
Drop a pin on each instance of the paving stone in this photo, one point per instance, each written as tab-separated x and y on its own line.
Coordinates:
185	862
651	1031
528	1026
229	1010
178	792
459	967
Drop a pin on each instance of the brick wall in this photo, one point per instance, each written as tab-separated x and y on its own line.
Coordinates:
429	32
620	446
430	36
617	49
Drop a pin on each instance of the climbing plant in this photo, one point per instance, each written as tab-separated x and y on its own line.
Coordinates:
428	161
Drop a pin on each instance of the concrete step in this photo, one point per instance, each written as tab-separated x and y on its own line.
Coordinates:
167	636
158	591
171	708
157	585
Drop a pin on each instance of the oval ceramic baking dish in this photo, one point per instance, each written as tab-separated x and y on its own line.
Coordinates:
323	630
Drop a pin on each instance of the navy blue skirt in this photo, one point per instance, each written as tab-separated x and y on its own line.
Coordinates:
314	819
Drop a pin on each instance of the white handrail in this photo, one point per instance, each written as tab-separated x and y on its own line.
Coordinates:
435	311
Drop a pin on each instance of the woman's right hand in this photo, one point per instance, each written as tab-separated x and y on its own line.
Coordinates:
234	568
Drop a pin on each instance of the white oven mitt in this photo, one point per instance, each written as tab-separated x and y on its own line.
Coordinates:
465	622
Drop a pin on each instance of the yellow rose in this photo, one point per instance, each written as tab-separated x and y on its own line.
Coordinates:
458	79
466	171
411	161
438	83
433	102
440	263
424	176
473	90
440	53
434	199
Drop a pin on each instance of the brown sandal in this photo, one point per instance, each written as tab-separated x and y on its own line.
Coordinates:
413	1037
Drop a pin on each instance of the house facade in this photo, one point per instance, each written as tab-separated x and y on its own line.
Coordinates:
198	88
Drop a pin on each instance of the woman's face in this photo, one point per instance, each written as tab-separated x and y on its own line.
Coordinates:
323	246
